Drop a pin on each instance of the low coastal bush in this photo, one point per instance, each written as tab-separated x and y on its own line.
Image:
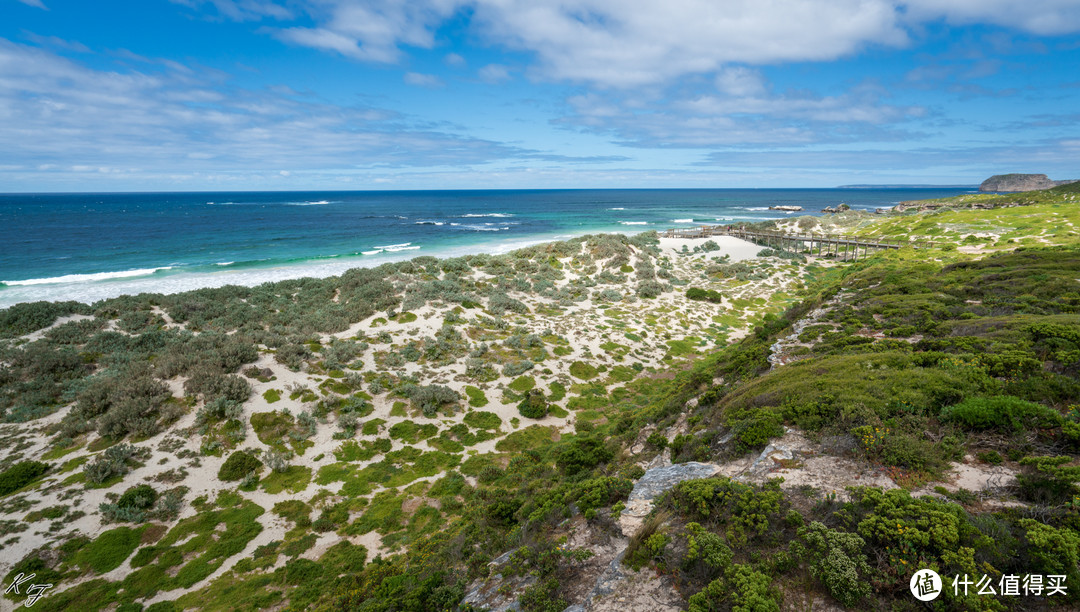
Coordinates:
704	295
429	399
114	462
837	561
534	406
27	317
649	289
1008	413
582	454
239	464
141	503
20	475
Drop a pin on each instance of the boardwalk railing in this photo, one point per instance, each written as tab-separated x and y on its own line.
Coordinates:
840	246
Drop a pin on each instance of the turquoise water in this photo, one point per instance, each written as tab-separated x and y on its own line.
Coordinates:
91	246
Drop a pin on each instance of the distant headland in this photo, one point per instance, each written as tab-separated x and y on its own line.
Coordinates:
1010	183
906	186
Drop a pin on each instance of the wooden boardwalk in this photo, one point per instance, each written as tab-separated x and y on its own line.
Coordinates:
840	246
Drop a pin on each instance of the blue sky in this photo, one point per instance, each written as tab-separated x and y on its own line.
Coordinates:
159	95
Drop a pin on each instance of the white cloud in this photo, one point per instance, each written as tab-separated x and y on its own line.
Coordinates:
633	43
494	73
55	112
740	81
629	43
1037	16
423	80
742	112
242	10
371	31
35	3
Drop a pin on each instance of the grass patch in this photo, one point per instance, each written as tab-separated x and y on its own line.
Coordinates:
583	371
477	399
110	549
295	479
483	420
524	439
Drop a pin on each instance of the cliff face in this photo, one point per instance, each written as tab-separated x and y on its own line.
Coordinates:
1019	182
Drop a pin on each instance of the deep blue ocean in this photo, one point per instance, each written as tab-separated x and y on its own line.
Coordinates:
88	247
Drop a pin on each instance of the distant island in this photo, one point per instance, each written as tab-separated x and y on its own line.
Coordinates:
1011	183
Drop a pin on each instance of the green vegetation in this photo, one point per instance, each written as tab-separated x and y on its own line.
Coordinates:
477	399
534	406
483	420
582	370
907	362
239	464
20	475
704	295
109	550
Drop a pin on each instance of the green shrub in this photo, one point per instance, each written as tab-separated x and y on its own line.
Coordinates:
707	556
600	492
140	497
20	475
756	430
705	295
27	317
1001	413
1048	479
582	454
837	561
430	398
658	440
743	589
239	464
534	406
748	511
113	462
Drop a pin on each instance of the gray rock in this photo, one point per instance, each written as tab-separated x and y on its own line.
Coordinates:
658	480
653	484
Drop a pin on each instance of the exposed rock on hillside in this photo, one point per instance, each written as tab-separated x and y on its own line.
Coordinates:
1019	182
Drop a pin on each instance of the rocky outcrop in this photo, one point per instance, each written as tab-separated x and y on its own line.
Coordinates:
655	482
1010	183
836	209
925	205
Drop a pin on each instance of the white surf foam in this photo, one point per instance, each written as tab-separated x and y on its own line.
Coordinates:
84	278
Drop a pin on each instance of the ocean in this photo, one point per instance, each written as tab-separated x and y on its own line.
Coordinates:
88	247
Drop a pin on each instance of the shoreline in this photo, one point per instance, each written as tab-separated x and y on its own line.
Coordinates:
169	280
